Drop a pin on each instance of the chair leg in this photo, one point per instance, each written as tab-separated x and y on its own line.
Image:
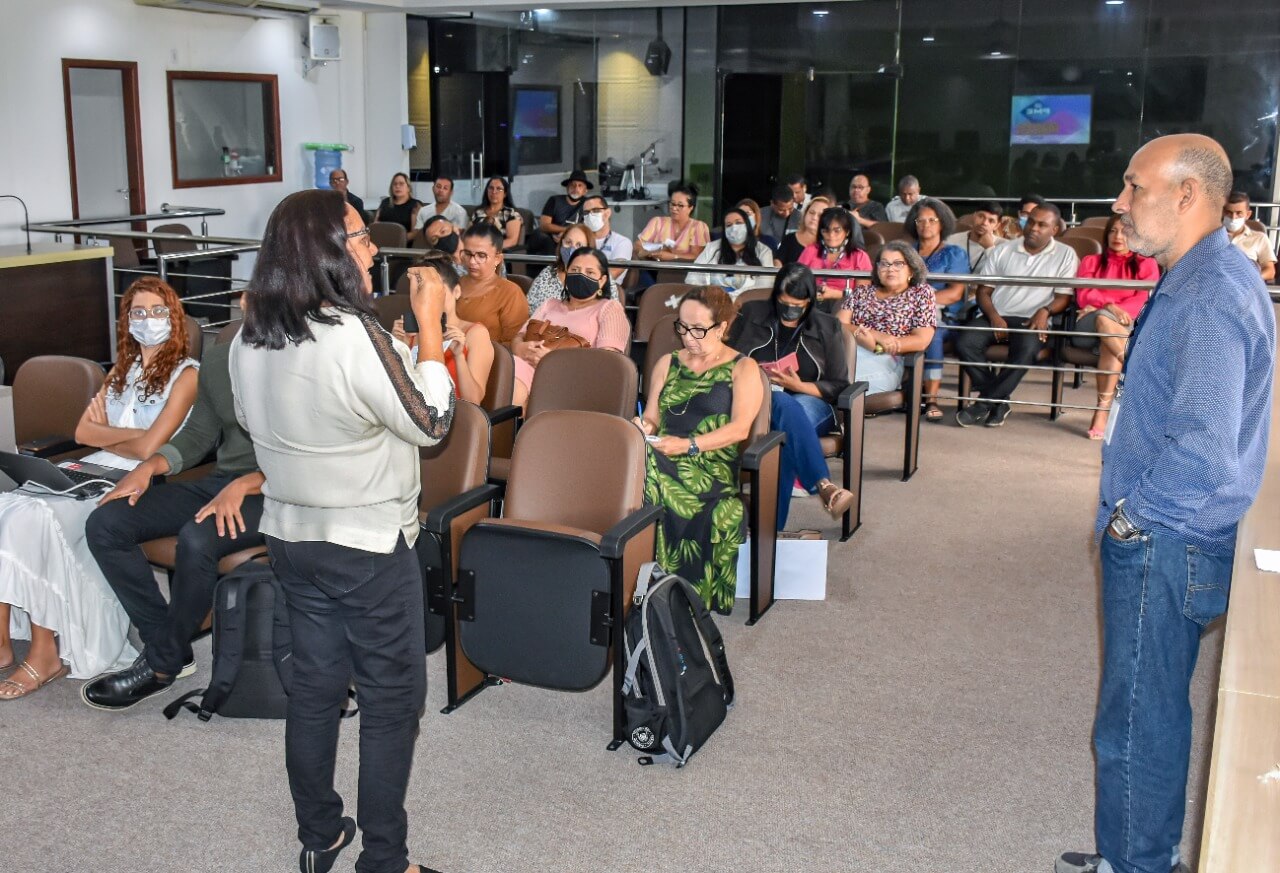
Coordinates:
854	431
966	385
762	526
911	439
1056	393
617	632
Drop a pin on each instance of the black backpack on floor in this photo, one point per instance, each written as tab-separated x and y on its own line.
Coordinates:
678	687
252	647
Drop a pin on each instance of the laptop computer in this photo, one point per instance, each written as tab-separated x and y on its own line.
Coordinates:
56	477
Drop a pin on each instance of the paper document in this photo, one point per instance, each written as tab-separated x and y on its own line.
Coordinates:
1268	560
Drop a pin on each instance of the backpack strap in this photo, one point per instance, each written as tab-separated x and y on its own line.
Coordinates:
230	607
711	633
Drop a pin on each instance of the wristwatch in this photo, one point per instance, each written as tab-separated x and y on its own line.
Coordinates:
1120	527
693	447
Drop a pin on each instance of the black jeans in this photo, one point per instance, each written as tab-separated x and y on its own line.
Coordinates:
353	613
115	534
996	383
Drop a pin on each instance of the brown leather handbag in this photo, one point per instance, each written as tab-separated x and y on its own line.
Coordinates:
553	336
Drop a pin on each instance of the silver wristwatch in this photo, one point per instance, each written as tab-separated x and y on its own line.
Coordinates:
1120	526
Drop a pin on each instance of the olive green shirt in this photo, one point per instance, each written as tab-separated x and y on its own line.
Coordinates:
212	423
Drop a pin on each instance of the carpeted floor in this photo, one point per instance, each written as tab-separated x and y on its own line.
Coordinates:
933	714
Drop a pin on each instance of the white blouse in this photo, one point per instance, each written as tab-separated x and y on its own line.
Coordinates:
130	408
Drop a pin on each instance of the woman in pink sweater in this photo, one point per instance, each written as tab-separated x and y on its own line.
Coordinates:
1110	311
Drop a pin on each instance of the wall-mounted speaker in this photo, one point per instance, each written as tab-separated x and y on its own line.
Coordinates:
657	59
325	40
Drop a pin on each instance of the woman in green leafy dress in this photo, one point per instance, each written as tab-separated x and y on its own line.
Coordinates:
702	402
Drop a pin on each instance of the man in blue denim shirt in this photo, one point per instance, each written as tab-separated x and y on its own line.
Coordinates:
1186	445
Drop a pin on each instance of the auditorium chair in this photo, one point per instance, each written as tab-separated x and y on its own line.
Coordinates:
50	394
753	294
658	300
1083	245
522	280
228	332
888	230
172	246
594	380
907	397
998	353
195	338
388	235
454	497
543	591
874	243
389	307
1087	231
1096	221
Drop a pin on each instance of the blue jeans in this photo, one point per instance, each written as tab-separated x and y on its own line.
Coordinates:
1158	593
803	418
934	352
880	372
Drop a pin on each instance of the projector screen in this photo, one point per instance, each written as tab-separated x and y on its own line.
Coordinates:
1051	119
537	113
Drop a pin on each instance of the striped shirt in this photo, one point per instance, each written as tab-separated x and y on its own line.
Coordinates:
1189	437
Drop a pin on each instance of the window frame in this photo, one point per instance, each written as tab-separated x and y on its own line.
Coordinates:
271	119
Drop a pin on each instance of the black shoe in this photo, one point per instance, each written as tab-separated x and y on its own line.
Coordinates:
321	860
973	414
1079	862
423	868
999	412
116	691
188	669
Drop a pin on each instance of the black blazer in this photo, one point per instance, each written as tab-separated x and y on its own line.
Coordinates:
820	350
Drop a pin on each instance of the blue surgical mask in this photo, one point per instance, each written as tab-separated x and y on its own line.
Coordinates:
1022	221
566	252
736	233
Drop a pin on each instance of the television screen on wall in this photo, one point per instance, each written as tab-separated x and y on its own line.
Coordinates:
1051	119
535	124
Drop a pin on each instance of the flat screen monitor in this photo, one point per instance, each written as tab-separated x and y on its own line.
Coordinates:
535	126
1051	119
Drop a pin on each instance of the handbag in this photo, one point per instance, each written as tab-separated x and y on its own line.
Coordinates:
553	336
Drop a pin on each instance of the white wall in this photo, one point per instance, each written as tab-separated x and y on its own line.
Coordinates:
359	100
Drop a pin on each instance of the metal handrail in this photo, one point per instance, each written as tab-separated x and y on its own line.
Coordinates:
1272	229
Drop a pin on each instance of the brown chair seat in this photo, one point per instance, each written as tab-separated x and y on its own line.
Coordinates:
1083	245
163	553
50	394
521	280
1081	357
658	300
388	234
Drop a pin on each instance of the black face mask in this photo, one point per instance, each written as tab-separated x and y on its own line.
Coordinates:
448	244
581	286
792	311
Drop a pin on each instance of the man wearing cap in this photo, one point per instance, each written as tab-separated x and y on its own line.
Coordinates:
560	211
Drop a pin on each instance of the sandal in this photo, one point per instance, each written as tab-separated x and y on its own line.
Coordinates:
24	690
1104	404
835	500
932	412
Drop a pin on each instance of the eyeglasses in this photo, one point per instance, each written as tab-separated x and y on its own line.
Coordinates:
834	228
469	255
891	265
693	330
158	311
924	220
599	211
338	179
676	204
362	235
860	187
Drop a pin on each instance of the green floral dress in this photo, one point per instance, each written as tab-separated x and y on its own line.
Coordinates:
704	521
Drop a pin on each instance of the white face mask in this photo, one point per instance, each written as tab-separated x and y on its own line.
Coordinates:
1233	225
150	331
736	234
594	221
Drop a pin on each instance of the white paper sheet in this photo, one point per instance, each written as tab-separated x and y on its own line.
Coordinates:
801	572
1268	560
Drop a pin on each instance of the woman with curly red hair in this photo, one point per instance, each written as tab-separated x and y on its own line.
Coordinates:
50	587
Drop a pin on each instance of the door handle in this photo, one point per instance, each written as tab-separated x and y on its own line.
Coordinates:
122	190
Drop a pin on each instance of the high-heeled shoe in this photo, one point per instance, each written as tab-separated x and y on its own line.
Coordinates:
1104	405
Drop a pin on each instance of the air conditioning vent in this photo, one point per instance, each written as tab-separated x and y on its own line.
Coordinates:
251	8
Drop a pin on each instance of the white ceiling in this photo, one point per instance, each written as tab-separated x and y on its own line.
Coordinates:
417	7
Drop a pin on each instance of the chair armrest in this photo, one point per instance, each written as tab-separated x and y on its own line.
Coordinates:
912	359
439	518
503	413
615	540
847	396
50	446
761	446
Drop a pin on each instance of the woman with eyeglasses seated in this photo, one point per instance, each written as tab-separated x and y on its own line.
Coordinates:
487	297
499	211
895	315
677	236
800	348
399	206
549	284
930	222
738	246
468	352
702	401
586	307
51	590
839	246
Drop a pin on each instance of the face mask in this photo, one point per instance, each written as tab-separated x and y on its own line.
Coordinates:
150	331
566	252
448	244
736	234
792	311
1022	221
1233	225
594	221
581	286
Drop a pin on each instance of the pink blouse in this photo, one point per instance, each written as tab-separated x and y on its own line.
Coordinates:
603	324
1135	266
661	228
814	258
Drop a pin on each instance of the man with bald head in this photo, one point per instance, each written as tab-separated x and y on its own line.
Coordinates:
1185	447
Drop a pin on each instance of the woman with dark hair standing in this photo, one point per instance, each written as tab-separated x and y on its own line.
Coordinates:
337	411
399	206
800	348
839	247
499	211
586	308
738	246
930	222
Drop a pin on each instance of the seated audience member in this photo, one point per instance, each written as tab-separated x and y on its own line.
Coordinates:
587	307
865	211
212	517
1111	311
799	190
982	236
443	237
1255	244
487	298
839	247
782	217
499	211
929	223
908	194
752	210
702	401
598	218
468	353
444	207
400	207
559	212
678	236
895	315
800	348
549	283
51	590
794	244
1029	307
737	246
339	182
1027	205
1010	227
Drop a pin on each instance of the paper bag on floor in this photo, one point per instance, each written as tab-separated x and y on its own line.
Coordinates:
801	572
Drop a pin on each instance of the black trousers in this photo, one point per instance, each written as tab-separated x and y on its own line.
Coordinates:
115	534
996	383
354	614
